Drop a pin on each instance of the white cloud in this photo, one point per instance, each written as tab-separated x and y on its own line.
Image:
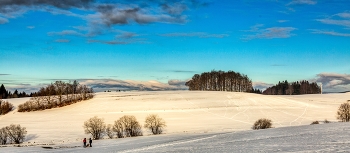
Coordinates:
112	84
334	82
262	85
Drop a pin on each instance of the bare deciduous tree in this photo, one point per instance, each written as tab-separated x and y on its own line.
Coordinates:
262	124
16	133
109	131
343	113
60	88
127	126
154	123
95	126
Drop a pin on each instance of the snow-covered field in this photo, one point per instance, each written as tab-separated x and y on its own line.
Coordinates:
197	121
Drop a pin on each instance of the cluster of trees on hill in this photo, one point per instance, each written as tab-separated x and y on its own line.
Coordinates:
57	94
220	81
4	94
294	88
125	126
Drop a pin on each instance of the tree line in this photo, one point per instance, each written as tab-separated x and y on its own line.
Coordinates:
5	94
220	81
57	94
294	88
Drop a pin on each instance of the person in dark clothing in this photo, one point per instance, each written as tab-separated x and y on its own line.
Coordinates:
84	141
90	142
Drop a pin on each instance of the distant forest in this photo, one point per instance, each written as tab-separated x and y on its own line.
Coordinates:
4	94
294	88
221	81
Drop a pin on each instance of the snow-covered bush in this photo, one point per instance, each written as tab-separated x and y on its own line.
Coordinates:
155	124
127	126
262	123
5	107
95	126
16	133
343	113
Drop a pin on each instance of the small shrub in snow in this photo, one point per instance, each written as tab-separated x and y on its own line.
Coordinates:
5	107
3	136
326	121
95	126
16	133
315	122
127	126
155	124
262	124
343	113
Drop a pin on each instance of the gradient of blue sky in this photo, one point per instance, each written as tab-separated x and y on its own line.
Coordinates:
270	41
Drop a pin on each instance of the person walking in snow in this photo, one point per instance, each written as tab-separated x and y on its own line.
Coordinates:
90	142
84	141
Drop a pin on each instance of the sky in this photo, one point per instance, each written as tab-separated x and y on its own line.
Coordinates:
161	44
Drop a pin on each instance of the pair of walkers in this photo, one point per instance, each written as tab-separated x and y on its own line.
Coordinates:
90	142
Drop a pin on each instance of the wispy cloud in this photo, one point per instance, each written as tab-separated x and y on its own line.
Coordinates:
339	19
345	23
302	2
3	20
269	33
65	32
282	21
30	27
195	34
111	42
126	35
62	40
330	33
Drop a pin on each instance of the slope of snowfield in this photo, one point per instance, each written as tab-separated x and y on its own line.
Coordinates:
186	112
332	137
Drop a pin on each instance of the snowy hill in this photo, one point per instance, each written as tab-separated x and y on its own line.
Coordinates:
196	117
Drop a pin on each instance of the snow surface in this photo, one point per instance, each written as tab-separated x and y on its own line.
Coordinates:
198	121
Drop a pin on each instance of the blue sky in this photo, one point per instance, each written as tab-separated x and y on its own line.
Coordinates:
160	44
